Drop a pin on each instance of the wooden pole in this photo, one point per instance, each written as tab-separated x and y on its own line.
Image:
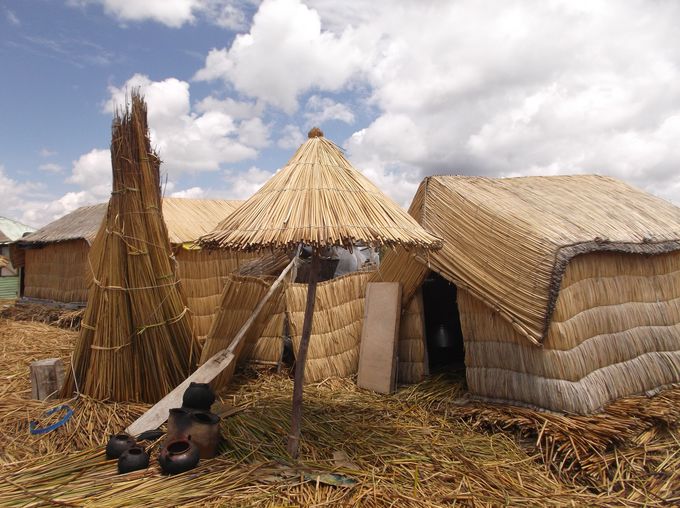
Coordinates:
296	417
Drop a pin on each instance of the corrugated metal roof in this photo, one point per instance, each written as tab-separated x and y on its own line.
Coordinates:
187	219
11	230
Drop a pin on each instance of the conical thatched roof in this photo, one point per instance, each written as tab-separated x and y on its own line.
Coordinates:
318	199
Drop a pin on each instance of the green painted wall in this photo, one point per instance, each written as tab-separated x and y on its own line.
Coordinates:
9	287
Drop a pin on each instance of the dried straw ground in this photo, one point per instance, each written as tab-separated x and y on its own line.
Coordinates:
419	447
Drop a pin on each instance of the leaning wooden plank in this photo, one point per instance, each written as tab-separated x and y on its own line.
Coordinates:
155	416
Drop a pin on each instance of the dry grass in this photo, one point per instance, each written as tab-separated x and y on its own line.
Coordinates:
92	421
40	313
418	447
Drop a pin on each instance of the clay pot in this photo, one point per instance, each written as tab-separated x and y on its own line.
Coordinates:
118	443
198	396
178	456
179	421
133	459
205	433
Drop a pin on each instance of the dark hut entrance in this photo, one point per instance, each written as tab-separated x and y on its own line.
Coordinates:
442	325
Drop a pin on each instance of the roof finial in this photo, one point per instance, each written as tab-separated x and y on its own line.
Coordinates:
315	133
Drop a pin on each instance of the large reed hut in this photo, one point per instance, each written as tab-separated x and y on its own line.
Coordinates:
566	288
56	262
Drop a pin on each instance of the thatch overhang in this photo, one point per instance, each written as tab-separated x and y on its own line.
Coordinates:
187	219
318	199
508	241
12	230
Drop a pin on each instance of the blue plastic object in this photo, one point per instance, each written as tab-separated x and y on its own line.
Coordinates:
33	426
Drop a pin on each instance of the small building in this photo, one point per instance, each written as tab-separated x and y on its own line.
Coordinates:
10	276
56	264
562	291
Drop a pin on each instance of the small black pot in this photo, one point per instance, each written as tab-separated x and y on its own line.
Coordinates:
118	443
133	459
198	396
178	456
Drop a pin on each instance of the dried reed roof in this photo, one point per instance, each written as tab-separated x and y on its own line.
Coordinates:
318	199
187	219
508	241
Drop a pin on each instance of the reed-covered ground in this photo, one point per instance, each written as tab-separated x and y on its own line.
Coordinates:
421	446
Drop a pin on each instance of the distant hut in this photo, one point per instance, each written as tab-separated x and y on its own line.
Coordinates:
566	289
10	276
56	256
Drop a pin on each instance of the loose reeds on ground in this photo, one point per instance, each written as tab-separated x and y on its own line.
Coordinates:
63	317
395	451
417	447
92	422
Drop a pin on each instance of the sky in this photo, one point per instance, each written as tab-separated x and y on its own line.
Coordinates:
407	88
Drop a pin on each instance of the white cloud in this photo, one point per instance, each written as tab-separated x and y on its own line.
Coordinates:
29	202
12	17
46	152
51	167
173	13
228	106
322	109
287	53
191	193
188	141
554	87
243	184
291	137
92	172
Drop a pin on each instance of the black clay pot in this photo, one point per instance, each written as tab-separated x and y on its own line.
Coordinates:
118	443
198	396
178	456
205	433
133	459
179	421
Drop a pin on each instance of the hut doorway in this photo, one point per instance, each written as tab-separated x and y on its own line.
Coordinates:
445	348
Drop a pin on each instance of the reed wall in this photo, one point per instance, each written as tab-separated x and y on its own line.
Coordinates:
203	274
336	328
58	271
615	332
413	360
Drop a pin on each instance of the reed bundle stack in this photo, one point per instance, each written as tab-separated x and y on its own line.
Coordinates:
136	341
567	286
318	199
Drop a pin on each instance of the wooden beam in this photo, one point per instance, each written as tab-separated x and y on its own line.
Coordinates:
155	416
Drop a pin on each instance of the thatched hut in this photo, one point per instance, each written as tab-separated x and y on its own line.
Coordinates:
10	273
56	262
566	287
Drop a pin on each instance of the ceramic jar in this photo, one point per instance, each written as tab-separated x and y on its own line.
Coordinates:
178	456
205	433
117	444
198	396
133	459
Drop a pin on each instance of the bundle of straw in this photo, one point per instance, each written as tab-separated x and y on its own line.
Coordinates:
136	341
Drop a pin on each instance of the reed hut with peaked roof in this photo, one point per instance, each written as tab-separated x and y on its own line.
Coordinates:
56	266
10	273
568	287
318	199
